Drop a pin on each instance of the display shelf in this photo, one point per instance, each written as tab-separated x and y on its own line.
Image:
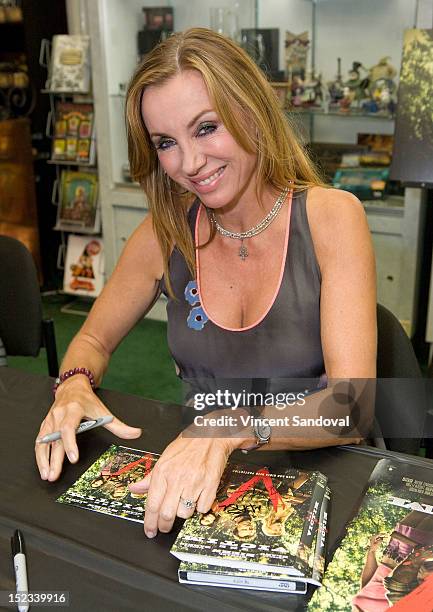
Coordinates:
335	113
391	203
126	185
59	162
84	98
64	228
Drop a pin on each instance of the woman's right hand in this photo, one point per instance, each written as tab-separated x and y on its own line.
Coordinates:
75	400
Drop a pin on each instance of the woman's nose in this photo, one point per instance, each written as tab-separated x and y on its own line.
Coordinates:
193	159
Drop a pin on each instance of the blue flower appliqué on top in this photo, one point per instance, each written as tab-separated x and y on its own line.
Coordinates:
197	317
191	293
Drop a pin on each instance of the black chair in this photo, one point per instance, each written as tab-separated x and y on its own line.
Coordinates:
23	331
400	405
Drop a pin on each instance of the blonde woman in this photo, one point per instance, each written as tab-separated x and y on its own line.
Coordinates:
268	273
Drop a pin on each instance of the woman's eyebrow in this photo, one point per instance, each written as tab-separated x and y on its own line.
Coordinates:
190	124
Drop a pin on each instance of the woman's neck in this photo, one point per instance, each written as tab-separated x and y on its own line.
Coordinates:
246	212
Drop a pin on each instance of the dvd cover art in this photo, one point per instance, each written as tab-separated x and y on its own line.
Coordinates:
386	557
259	520
70	65
78	207
73	138
214	575
84	266
104	486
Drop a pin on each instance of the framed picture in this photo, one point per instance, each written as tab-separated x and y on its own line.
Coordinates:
84	266
413	137
78	207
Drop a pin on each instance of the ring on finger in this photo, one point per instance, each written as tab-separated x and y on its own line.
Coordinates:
188	503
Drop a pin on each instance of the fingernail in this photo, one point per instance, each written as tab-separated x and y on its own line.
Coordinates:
150	534
72	456
44	474
51	475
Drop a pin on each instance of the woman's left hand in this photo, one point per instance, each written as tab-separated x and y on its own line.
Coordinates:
188	469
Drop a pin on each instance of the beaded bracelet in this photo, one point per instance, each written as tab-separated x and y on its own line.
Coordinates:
62	377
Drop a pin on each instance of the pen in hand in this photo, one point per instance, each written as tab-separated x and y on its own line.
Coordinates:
84	426
20	567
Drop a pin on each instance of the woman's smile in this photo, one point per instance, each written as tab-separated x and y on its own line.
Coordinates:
209	183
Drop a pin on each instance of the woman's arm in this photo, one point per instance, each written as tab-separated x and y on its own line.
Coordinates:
344	251
370	565
127	296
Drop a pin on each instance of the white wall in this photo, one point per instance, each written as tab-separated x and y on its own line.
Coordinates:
361	30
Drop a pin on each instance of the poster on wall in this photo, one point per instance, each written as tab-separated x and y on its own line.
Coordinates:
84	266
413	141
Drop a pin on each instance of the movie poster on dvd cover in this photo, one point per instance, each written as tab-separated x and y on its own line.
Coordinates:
260	519
385	560
104	486
221	576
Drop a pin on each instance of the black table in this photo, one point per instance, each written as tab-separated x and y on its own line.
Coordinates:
108	564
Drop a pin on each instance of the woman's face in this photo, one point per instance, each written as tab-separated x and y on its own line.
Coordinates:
207	519
194	147
246	529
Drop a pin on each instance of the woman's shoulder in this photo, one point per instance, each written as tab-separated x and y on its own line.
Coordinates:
335	217
331	209
325	201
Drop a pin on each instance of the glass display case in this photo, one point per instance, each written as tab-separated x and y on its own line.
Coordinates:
359	33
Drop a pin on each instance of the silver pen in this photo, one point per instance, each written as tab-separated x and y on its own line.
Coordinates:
84	426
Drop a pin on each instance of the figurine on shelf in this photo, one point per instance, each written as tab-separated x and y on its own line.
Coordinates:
335	88
382	88
296	91
312	94
347	99
382	70
383	93
370	107
358	84
297	46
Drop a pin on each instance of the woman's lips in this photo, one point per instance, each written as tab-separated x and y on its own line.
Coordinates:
209	186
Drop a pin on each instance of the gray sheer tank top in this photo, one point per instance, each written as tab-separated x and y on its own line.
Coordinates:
284	344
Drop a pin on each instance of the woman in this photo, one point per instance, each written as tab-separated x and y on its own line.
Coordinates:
221	168
388	585
404	564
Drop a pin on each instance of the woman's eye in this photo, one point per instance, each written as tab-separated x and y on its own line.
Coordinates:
206	128
164	144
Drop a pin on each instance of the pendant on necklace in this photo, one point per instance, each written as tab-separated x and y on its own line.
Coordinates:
243	251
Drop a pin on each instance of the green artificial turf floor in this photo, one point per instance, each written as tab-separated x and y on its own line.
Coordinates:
141	365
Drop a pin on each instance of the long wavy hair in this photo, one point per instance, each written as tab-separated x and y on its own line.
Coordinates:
242	97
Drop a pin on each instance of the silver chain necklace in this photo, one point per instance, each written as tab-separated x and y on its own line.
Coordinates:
257	229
